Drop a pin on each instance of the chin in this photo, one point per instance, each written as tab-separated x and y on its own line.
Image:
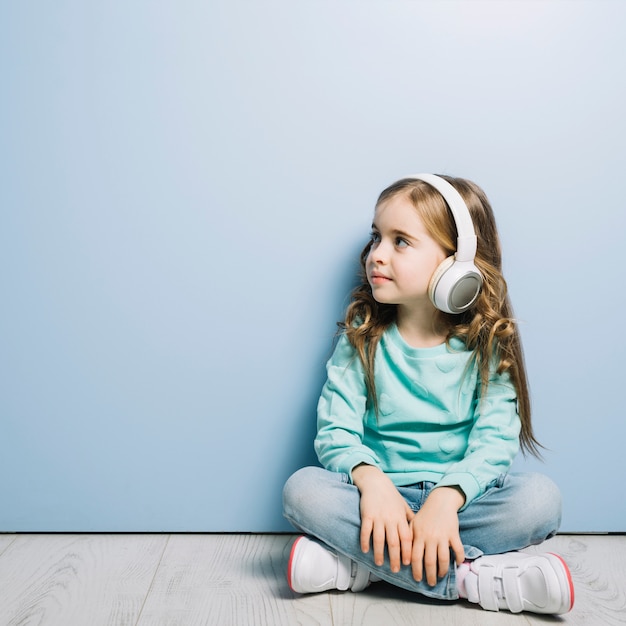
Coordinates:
382	300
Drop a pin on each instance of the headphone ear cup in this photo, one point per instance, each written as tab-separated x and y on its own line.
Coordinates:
435	279
454	285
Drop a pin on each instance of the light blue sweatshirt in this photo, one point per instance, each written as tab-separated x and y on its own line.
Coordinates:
430	425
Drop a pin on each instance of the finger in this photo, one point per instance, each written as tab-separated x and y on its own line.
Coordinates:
443	556
430	564
379	544
366	533
393	548
459	550
417	557
406	544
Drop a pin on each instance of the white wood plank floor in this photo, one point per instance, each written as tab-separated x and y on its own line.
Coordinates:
239	580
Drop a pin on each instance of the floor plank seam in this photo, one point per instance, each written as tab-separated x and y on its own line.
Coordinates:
154	577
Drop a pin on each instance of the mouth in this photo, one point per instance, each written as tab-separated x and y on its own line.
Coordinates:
379	279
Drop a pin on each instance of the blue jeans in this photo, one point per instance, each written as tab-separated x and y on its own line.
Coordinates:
516	511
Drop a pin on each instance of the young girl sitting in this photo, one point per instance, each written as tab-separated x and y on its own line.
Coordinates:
425	406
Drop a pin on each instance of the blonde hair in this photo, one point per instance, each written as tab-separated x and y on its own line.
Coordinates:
488	328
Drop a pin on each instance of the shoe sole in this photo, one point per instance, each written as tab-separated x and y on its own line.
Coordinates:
290	565
570	582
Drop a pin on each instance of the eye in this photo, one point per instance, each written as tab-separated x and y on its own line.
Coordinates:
401	243
375	237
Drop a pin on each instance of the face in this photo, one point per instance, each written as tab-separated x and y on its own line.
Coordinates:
403	255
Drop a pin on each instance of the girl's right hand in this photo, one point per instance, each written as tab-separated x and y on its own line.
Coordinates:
385	517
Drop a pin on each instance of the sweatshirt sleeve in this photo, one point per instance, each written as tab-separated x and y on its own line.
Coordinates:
340	413
493	441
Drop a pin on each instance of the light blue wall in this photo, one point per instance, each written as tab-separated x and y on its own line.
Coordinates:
185	186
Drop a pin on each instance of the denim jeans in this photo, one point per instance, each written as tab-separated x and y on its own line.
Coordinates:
516	511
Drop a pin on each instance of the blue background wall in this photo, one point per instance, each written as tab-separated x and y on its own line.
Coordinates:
184	189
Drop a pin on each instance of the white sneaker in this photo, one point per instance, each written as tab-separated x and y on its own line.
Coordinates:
539	583
313	568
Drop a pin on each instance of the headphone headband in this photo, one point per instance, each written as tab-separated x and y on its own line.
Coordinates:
466	237
456	283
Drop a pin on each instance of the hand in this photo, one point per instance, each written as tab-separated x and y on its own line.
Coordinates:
385	517
435	530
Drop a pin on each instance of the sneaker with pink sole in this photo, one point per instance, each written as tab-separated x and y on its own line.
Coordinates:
314	568
516	581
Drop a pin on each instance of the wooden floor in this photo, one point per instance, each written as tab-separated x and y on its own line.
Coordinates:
222	580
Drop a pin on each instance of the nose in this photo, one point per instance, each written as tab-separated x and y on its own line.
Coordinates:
378	254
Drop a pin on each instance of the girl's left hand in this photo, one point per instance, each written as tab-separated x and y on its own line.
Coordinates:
435	531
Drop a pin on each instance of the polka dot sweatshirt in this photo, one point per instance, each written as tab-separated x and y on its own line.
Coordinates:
431	425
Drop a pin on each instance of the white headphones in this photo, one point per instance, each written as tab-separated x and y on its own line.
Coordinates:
456	282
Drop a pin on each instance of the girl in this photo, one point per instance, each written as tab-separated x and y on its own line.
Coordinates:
425	406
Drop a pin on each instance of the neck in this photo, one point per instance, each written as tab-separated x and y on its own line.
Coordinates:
419	328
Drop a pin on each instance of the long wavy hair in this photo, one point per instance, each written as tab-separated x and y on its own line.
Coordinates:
488	328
